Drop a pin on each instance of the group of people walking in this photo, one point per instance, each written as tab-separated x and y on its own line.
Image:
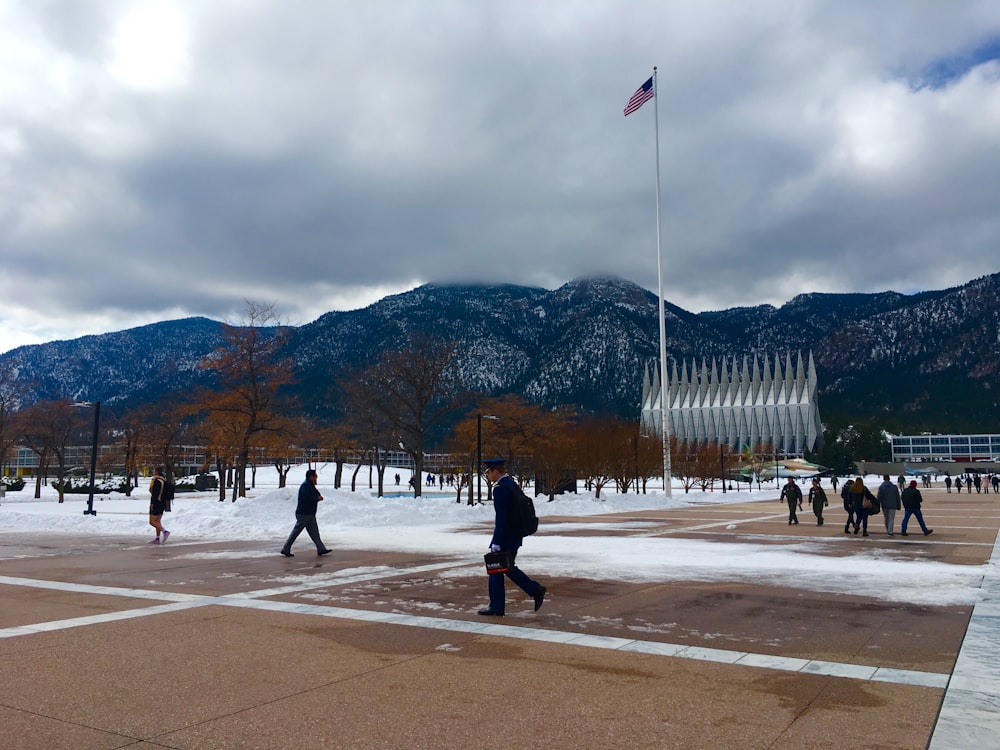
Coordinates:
981	483
861	504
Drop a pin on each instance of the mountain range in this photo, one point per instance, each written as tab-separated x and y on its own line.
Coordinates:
911	363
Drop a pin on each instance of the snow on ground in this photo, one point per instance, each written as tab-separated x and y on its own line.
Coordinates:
437	524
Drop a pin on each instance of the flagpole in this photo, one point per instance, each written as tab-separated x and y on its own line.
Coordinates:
664	410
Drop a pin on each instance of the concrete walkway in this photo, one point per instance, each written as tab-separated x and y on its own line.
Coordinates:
107	643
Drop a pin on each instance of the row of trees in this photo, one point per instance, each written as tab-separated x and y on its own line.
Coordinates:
402	399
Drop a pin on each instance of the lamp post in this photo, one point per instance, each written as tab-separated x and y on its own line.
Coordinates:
479	453
93	455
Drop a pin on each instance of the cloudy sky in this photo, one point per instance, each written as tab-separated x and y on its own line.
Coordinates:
165	158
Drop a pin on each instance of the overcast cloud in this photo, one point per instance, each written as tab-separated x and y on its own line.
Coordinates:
163	158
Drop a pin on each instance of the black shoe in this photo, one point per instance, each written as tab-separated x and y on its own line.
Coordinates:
287	553
322	552
856	530
928	532
903	533
489	613
539	597
865	534
847	530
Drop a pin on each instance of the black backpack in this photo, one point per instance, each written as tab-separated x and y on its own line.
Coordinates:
523	519
167	495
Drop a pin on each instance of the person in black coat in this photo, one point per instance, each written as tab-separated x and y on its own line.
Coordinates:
911	507
818	499
792	495
845	495
305	516
506	539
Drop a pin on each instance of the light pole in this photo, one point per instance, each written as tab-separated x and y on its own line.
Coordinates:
479	453
93	454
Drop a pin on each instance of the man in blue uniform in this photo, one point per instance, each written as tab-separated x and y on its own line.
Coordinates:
506	539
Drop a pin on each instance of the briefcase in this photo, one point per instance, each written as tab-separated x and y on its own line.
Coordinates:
497	562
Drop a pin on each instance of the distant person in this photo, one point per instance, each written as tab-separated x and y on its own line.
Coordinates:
506	539
900	480
818	500
958	485
912	500
888	498
305	516
397	480
968	485
833	482
845	496
792	495
996	484
947	483
978	481
157	504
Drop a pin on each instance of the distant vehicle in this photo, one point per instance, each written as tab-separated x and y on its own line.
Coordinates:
913	471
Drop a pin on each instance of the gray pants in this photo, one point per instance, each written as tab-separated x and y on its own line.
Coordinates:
312	528
889	515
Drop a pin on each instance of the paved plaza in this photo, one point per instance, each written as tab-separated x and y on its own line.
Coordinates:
108	642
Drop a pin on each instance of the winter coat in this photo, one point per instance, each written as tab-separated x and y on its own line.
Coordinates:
912	498
888	495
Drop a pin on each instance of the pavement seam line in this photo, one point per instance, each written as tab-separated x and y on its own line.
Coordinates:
248	600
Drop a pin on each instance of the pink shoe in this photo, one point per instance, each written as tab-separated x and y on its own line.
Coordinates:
165	535
155	541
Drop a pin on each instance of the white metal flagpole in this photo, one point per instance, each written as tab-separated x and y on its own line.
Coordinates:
664	409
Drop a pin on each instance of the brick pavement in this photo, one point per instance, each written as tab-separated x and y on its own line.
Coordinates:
107	643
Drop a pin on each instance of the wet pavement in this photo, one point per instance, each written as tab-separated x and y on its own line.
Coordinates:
107	642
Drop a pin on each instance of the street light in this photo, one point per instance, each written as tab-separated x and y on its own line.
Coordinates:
479	453
93	455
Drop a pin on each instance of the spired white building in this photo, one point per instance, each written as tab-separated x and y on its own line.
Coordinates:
750	405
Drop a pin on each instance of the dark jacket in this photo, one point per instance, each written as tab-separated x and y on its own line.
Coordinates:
817	496
309	498
791	493
157	505
888	495
912	498
503	503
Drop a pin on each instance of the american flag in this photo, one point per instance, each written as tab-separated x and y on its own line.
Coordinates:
642	95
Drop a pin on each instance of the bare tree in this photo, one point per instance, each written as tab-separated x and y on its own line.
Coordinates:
414	389
250	373
50	427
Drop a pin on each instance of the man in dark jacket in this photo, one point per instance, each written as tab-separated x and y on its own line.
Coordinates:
792	495
506	539
305	516
911	507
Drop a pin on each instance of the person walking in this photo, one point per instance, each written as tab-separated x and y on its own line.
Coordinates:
958	485
845	495
792	495
858	495
818	499
947	483
305	516
888	498
157	504
506	539
912	500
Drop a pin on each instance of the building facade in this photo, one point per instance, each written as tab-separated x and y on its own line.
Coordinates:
950	448
748	405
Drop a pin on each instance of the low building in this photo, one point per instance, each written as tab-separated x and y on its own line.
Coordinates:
945	448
